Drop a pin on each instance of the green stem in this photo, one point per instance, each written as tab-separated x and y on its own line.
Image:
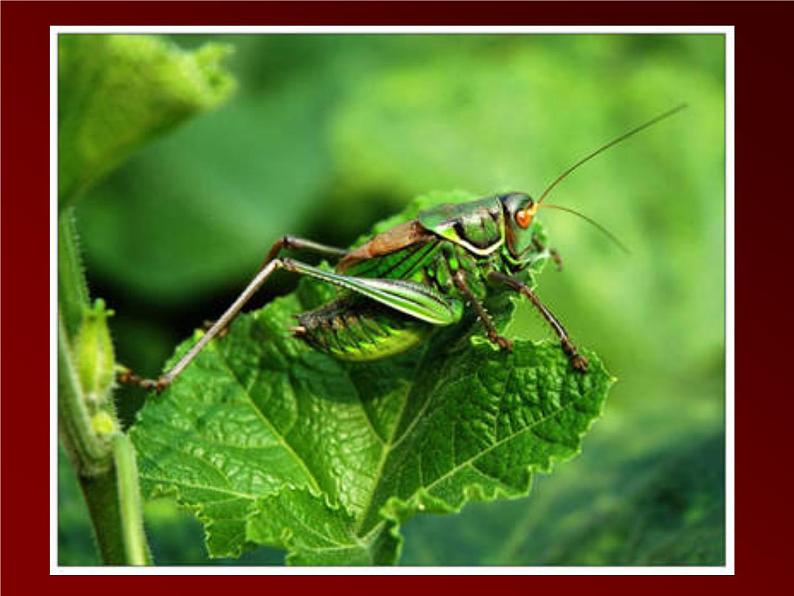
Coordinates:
103	509
135	545
105	463
114	505
72	289
91	457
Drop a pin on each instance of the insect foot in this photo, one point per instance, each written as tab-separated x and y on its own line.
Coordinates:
502	342
157	384
579	363
127	377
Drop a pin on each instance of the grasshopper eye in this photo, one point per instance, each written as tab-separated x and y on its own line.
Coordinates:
523	218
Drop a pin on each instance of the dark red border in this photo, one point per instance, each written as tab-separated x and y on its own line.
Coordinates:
763	136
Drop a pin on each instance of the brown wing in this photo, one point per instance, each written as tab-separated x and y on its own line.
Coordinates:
392	240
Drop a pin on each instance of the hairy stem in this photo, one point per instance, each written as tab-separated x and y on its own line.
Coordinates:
135	546
91	455
103	509
104	461
72	289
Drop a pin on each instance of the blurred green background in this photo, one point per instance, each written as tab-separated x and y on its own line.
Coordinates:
328	134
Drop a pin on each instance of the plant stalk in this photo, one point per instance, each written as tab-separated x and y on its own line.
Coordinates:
130	509
104	463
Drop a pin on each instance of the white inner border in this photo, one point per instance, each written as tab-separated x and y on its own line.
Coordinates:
728	569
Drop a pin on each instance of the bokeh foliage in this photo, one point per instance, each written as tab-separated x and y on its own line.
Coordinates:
327	134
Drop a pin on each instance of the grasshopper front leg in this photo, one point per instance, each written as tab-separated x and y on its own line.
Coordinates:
413	299
490	329
578	361
553	253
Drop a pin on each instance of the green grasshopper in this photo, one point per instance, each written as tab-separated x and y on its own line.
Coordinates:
418	276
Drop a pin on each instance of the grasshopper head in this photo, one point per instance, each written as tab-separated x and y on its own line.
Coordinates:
520	211
520	208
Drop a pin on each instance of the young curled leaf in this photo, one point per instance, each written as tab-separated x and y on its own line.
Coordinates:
115	92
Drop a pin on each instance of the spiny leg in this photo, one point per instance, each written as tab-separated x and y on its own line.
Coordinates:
405	296
288	242
553	253
490	329
578	361
165	380
217	328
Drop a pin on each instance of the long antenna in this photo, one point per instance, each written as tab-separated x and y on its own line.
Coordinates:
603	230
603	148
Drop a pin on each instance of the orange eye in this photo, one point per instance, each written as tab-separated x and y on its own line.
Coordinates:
523	218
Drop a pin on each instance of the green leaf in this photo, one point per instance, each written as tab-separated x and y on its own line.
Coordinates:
270	442
117	91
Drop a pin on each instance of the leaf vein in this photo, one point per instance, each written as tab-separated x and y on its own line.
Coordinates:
281	438
499	443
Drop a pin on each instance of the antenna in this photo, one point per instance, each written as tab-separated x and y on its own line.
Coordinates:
611	143
603	230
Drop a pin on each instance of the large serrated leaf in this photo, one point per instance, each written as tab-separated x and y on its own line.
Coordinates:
271	442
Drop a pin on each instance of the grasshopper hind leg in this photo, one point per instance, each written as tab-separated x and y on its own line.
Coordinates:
289	242
401	298
358	329
216	329
295	243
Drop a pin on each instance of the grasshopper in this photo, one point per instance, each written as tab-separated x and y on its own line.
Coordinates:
418	276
